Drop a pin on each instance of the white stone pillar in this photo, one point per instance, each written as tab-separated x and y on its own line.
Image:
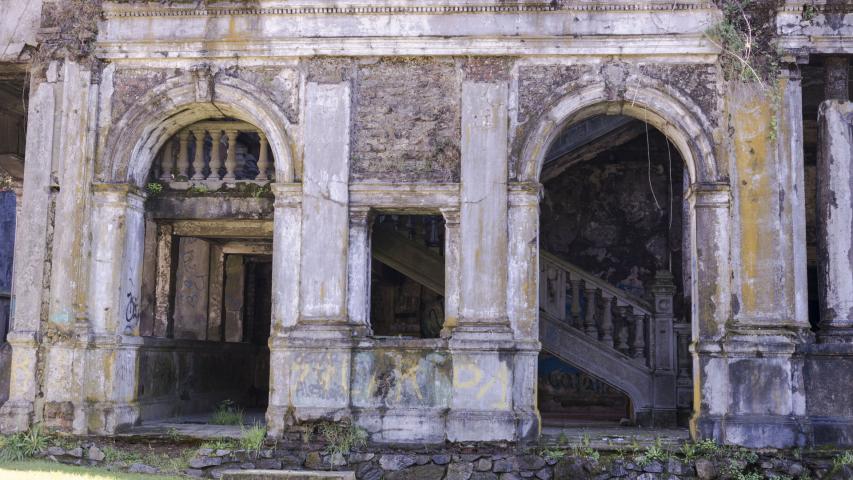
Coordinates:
325	210
711	292
523	261
311	361
31	253
358	286
835	220
287	248
482	401
451	270
483	205
116	217
115	278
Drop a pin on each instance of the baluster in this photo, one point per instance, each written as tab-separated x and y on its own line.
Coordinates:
638	347
183	153
263	160
231	156
198	159
589	321
607	318
215	156
576	303
167	163
622	332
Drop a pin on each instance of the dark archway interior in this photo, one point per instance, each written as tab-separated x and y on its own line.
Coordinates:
613	207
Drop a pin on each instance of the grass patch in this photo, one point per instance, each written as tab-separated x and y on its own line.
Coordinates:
220	444
21	445
227	413
252	439
44	470
342	437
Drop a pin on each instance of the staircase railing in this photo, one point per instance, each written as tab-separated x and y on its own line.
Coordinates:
608	314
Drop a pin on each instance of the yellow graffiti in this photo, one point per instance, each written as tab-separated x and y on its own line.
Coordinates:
473	378
474	371
410	374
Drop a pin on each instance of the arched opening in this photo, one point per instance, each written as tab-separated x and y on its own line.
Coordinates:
206	295
614	275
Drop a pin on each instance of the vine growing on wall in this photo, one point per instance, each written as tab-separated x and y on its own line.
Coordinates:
746	37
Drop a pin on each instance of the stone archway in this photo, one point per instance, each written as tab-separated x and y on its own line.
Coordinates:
118	222
708	198
181	101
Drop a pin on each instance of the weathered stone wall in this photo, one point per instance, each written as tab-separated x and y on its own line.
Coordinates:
406	119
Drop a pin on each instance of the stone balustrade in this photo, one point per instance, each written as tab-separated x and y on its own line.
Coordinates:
602	311
211	154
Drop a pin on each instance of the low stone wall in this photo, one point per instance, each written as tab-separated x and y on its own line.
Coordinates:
492	463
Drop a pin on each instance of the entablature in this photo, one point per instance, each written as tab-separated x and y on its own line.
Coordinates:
397	27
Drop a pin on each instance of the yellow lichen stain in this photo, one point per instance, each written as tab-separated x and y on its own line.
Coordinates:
753	159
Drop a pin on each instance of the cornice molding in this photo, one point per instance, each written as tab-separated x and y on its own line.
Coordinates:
121	11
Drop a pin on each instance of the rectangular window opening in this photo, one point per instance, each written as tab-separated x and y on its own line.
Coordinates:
407	276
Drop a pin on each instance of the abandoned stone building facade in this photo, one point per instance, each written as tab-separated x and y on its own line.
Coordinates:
445	220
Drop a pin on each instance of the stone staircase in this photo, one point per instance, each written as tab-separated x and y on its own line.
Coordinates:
611	334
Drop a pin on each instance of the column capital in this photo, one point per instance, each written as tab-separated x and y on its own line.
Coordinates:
360	215
120	194
710	195
287	194
525	194
451	216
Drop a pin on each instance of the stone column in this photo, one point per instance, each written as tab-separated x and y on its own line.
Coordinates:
163	325
523	303
835	220
829	364
358	275
711	293
483	201
287	243
31	253
310	370
482	397
115	279
325	211
664	346
451	270
523	261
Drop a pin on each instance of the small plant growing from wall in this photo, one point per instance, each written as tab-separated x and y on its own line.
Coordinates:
748	48
252	438
154	188
5	182
342	437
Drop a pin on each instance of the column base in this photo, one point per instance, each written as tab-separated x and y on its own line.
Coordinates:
829	398
753	431
421	426
481	426
107	418
832	431
16	416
